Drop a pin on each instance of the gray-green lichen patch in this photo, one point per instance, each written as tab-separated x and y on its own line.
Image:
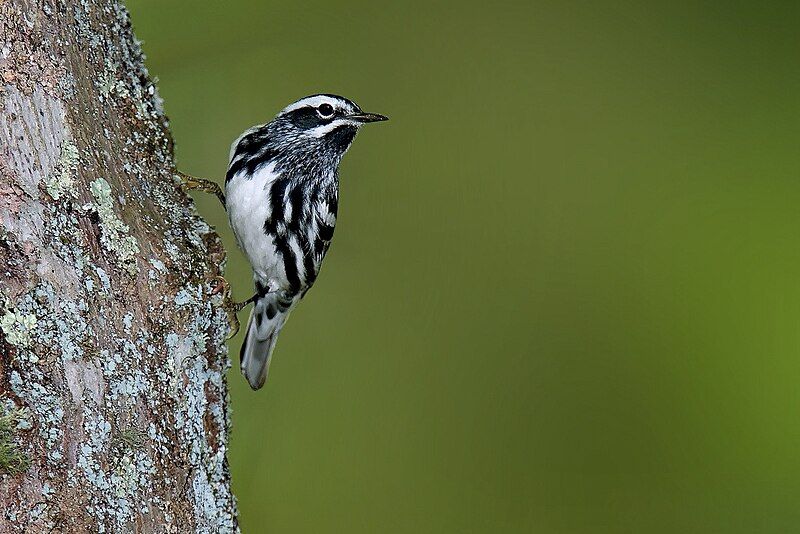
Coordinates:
113	232
61	181
17	327
202	403
108	85
13	460
139	370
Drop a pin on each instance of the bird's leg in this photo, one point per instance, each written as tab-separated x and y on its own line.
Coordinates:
222	286
240	305
201	184
231	307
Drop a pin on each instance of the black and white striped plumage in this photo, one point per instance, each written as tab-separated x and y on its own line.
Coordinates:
282	193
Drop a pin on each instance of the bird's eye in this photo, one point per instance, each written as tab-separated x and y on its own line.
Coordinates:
325	111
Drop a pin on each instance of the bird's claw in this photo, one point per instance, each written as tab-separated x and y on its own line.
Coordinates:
233	323
221	286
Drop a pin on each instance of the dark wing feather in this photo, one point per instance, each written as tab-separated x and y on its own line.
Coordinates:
324	208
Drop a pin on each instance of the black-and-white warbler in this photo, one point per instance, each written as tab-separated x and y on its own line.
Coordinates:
281	193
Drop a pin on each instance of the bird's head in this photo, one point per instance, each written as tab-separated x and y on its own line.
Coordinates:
323	122
310	135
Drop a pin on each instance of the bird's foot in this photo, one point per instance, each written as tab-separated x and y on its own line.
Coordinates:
220	286
201	184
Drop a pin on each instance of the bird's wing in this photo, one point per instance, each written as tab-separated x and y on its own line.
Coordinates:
325	214
317	240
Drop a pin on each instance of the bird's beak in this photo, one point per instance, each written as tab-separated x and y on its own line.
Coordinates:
367	117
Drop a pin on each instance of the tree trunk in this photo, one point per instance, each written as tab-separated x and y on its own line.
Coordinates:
113	400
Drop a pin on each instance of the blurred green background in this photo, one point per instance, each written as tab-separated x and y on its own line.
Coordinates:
563	294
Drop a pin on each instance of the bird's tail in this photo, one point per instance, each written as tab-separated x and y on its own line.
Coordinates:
267	317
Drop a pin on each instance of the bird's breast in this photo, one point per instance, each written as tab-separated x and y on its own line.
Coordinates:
248	208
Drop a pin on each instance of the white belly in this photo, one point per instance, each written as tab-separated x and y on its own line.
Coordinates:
248	207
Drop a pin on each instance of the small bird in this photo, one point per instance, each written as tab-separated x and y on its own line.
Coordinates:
282	198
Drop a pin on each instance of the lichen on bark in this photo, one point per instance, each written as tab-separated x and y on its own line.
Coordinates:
111	341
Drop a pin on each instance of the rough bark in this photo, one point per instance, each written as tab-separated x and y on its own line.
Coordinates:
113	400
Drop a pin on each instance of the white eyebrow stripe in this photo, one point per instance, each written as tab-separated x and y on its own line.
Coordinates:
314	101
319	131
